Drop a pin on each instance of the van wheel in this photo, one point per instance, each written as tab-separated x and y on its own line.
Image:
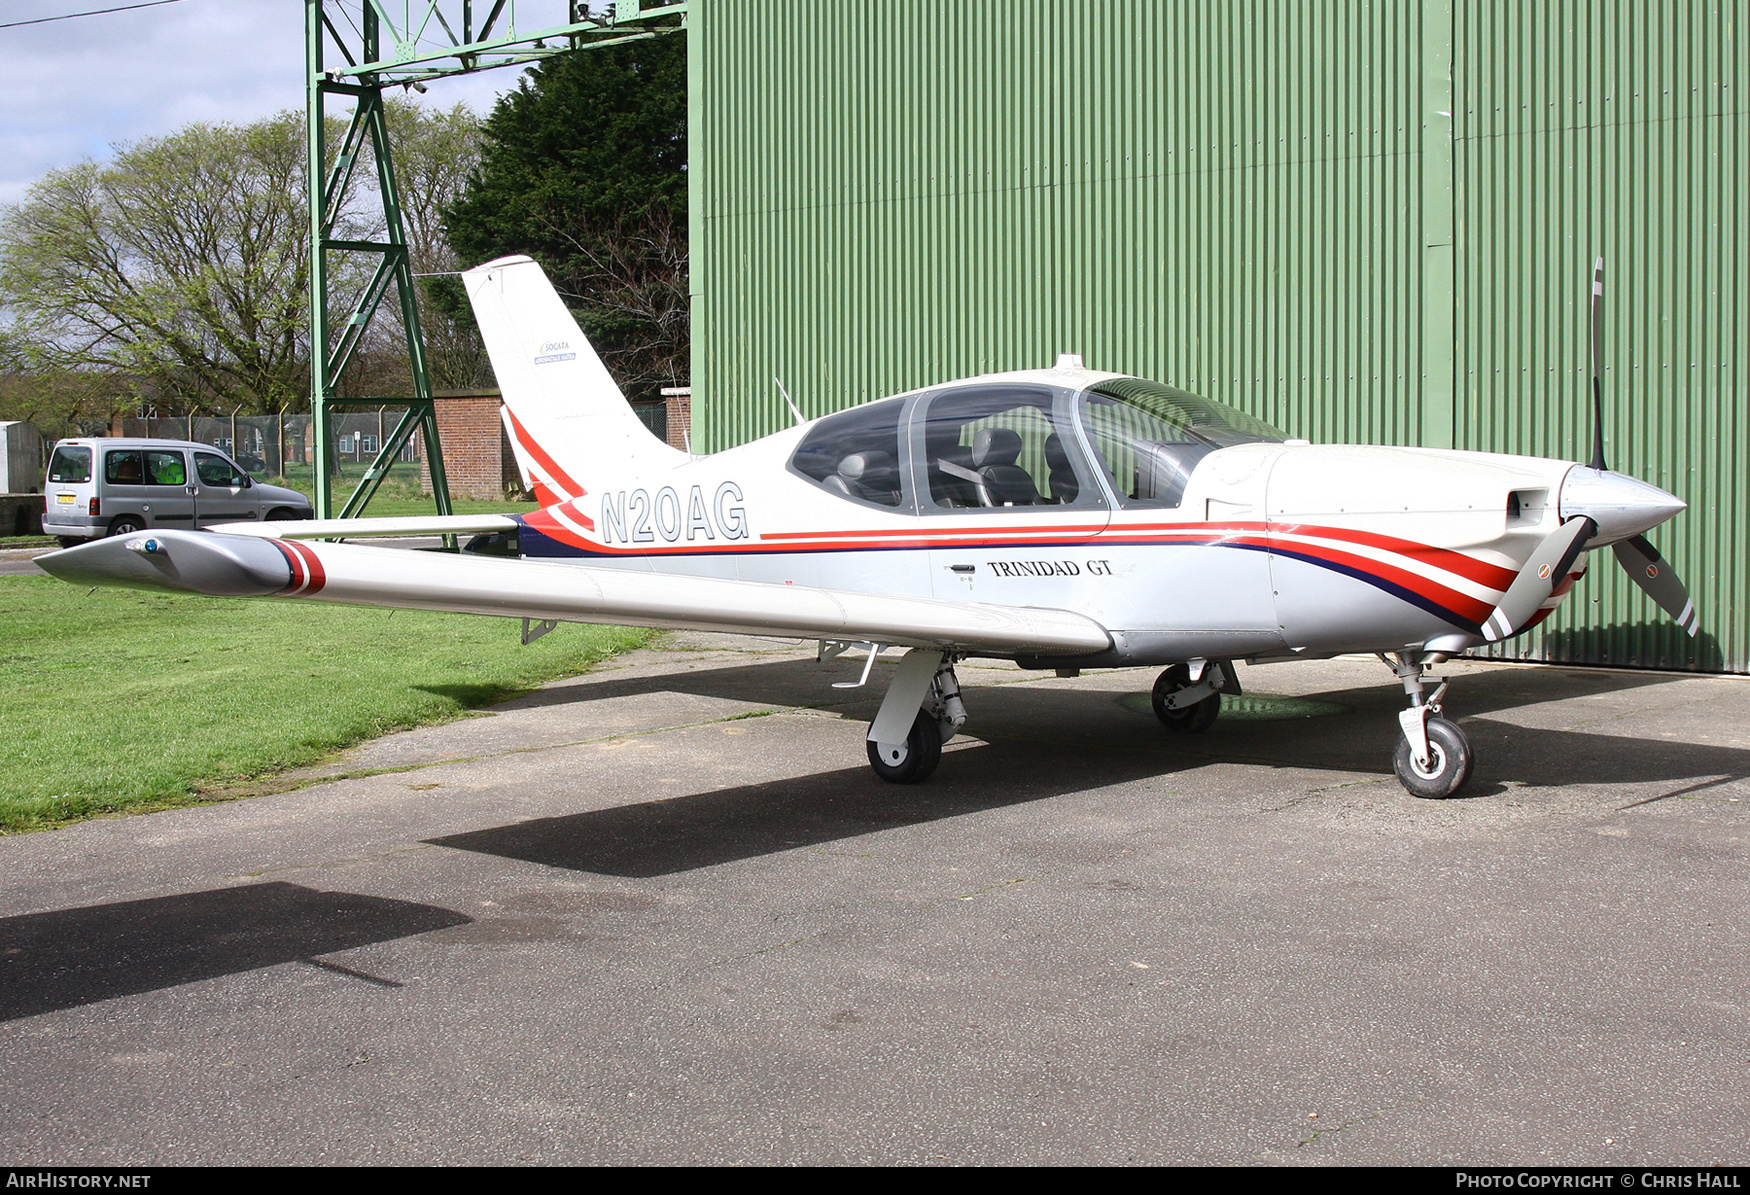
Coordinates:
126	524
280	514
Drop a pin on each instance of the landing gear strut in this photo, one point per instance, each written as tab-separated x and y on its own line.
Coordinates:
922	710
1433	756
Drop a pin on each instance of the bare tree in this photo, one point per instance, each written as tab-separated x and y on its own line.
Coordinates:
435	152
180	264
180	268
633	272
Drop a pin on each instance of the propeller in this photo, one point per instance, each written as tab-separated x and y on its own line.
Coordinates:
1614	500
1646	568
1539	578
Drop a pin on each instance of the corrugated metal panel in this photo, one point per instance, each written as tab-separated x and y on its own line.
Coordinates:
1209	198
1619	128
1236	199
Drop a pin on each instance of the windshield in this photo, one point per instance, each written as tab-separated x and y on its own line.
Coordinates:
1150	437
1190	417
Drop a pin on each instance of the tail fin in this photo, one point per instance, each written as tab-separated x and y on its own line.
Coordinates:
566	418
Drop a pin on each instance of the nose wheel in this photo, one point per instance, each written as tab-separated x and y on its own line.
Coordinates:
1443	771
1433	757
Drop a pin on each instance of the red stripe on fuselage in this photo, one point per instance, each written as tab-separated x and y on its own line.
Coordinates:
1035	535
1246	535
1468	567
1461	604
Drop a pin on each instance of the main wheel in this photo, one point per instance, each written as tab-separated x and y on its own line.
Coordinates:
914	761
1191	719
127	525
1449	762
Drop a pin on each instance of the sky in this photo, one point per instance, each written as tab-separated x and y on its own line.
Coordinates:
72	90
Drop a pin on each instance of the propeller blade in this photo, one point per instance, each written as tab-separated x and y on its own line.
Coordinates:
1598	365
1646	568
1539	578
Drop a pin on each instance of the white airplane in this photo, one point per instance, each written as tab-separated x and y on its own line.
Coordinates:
1062	518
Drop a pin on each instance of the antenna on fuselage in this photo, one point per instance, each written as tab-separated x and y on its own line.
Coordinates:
794	409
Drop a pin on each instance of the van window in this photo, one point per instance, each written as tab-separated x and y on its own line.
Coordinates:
123	468
216	470
166	468
70	464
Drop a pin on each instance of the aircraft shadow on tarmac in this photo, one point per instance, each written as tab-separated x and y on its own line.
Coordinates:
70	957
806	683
1361	740
684	833
1041	744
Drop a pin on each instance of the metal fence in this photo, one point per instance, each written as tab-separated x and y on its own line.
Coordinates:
269	445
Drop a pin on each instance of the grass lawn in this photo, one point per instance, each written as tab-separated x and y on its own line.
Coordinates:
121	700
398	495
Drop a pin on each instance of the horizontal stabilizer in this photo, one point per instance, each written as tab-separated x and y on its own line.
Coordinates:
369	528
192	562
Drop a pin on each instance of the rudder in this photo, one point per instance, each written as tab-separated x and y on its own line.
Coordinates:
566	418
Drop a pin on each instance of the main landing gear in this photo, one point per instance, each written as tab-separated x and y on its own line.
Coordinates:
1433	756
922	710
1187	697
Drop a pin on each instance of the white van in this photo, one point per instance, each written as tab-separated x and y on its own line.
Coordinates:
99	487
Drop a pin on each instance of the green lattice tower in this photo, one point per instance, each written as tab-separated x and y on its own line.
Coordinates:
406	44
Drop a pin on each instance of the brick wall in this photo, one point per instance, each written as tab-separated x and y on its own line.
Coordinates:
679	400
477	455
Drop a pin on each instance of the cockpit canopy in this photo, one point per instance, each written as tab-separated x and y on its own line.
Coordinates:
997	445
1150	437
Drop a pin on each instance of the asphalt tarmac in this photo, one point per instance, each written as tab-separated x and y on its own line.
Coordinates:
20	562
665	913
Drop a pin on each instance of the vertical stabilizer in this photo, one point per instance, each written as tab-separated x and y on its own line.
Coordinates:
566	419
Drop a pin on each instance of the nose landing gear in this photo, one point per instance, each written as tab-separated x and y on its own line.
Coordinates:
1433	756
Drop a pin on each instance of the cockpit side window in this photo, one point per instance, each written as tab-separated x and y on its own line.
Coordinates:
855	453
1150	437
999	447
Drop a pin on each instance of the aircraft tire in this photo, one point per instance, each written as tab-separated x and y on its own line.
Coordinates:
1449	769
1193	719
923	751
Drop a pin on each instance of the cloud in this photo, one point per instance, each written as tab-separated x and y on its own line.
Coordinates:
72	90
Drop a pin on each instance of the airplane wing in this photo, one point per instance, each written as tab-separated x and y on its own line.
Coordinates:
250	566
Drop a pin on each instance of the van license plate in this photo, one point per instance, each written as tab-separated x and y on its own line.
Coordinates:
66	499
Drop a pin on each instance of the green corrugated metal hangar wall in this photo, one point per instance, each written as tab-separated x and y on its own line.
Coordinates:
1363	222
